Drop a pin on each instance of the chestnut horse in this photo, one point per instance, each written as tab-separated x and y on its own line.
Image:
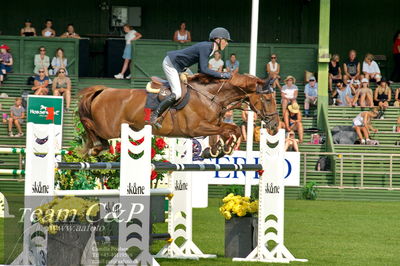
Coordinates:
102	110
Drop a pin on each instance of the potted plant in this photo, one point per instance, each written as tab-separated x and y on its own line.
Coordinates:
238	212
69	221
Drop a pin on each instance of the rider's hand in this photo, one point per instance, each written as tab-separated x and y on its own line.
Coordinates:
226	75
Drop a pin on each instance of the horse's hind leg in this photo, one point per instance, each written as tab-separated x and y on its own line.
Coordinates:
93	144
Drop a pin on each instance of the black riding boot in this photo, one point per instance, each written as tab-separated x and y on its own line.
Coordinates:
167	102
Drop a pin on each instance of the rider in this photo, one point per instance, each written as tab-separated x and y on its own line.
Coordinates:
177	61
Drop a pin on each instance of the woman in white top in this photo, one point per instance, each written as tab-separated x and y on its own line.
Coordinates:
182	35
131	35
216	63
289	93
58	61
48	30
371	69
273	68
41	61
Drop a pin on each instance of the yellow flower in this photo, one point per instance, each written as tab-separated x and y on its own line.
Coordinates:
227	215
228	197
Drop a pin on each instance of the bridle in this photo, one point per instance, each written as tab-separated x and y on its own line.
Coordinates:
266	117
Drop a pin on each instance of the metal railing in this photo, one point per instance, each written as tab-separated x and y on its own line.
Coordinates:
359	165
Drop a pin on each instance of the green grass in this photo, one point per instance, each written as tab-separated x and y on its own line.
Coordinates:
324	232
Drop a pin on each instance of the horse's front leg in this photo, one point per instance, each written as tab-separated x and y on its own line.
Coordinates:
224	144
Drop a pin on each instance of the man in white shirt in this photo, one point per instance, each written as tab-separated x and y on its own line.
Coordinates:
371	69
216	63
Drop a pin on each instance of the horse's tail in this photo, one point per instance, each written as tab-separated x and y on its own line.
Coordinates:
85	113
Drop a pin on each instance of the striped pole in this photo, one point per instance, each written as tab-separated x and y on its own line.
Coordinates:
12	172
22	151
161	166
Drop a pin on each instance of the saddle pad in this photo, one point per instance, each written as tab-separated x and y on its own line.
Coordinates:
152	101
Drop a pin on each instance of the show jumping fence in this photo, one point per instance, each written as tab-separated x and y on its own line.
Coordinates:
135	189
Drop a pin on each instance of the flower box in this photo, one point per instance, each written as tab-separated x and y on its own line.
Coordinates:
238	237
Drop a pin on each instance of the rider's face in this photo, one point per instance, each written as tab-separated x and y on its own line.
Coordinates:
223	44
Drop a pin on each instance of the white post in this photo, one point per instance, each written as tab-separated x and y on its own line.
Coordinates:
271	203
180	206
253	62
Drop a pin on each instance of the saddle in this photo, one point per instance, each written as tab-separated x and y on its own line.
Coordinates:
162	88
157	89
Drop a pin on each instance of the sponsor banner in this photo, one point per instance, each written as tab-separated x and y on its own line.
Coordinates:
45	109
291	169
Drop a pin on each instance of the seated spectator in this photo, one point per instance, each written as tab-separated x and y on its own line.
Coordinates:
364	95
291	143
335	72
228	117
42	61
40	83
48	30
351	67
343	94
289	92
6	61
232	65
62	86
243	125
371	69
397	98
59	61
293	120
182	35
216	63
70	33
354	85
311	92
382	95
273	68
28	30
17	114
362	124
131	35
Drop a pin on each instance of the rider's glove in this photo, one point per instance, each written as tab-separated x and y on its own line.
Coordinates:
226	75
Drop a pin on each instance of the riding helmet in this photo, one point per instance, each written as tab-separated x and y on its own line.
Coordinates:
220	33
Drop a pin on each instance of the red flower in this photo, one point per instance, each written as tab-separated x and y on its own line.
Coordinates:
260	172
111	149
70	152
137	142
153	175
105	184
118	147
160	143
153	152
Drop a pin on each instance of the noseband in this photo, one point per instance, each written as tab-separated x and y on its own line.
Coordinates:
266	117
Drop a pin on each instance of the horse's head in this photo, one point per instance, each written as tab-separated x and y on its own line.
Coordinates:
264	105
261	97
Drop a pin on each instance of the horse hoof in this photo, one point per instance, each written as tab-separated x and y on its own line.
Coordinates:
206	153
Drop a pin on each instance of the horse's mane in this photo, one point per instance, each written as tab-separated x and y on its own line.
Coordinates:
237	79
203	78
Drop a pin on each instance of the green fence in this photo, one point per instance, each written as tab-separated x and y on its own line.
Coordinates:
24	49
294	58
